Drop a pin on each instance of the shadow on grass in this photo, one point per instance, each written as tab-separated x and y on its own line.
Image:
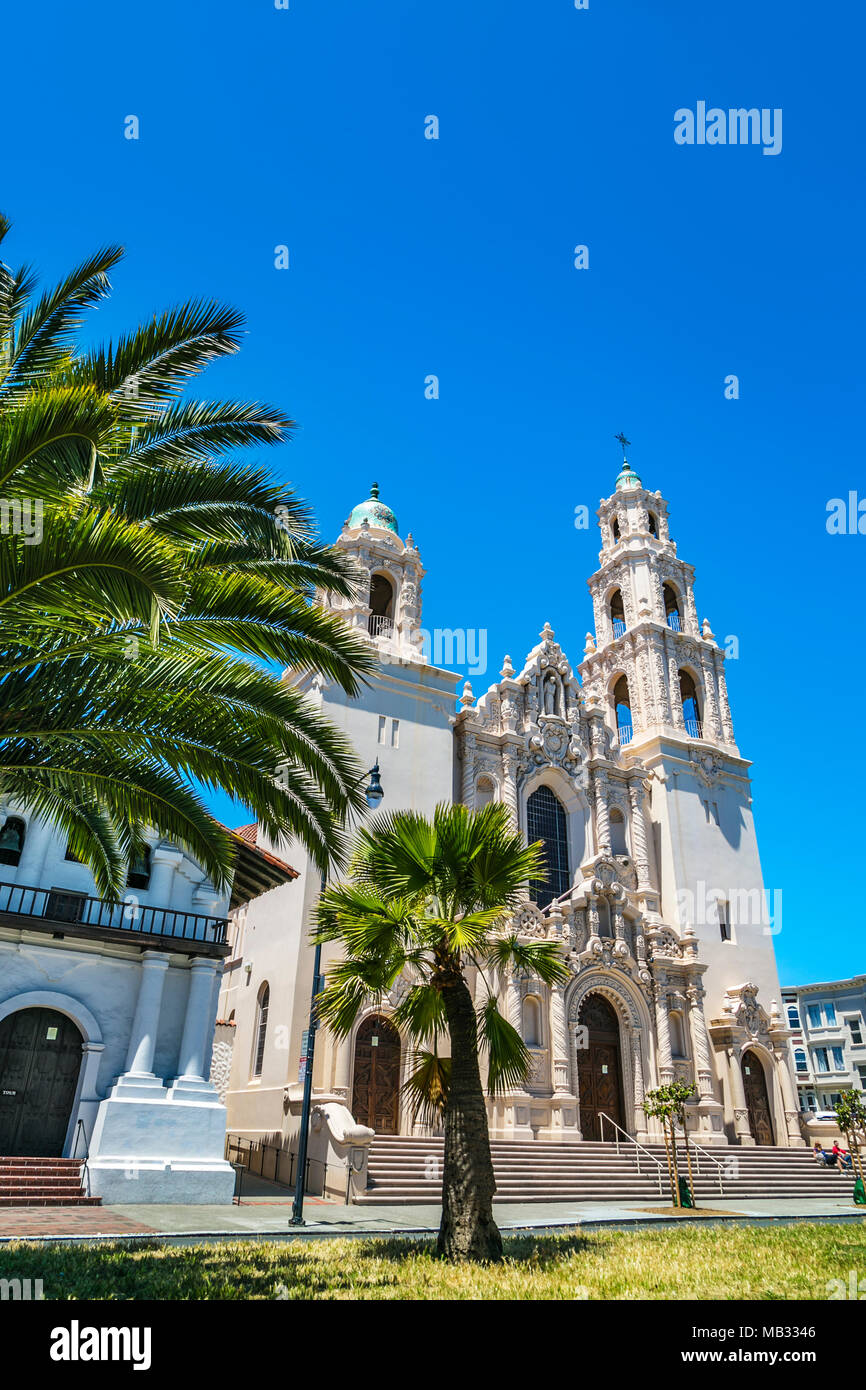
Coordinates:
237	1270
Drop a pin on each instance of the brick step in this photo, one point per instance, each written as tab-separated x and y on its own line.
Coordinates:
37	1181
50	1201
40	1189
39	1161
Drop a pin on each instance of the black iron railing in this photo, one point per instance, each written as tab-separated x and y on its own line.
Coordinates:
70	909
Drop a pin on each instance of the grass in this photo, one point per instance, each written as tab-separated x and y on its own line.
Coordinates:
723	1262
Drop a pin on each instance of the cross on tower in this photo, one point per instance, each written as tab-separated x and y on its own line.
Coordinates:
621	439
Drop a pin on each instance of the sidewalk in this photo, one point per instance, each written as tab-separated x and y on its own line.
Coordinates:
265	1210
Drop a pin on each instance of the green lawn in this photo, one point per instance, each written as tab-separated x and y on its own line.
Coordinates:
724	1262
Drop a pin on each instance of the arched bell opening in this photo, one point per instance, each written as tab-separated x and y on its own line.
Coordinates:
691	708
381	618
672	608
622	711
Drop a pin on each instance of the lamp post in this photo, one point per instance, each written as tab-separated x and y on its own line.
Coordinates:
374	794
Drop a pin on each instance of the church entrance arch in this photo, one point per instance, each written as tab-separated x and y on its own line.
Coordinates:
376	1077
757	1099
40	1058
599	1069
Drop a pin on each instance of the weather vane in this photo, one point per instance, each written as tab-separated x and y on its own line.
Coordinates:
621	439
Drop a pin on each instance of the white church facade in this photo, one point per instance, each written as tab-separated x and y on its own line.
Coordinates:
107	1011
625	765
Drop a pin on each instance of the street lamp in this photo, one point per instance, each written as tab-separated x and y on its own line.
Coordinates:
374	794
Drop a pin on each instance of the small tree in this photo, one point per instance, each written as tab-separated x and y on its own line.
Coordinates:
851	1118
661	1105
668	1104
680	1092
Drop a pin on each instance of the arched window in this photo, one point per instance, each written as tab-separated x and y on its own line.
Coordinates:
622	710
617	613
794	1017
615	529
545	821
604	926
800	1059
381	605
653	524
485	792
672	608
261	1032
139	869
531	1021
12	838
691	709
618	842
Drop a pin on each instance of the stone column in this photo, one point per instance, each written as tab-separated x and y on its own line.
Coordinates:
789	1097
700	1042
145	1022
693	627
342	1069
738	1096
559	1039
509	787
674	686
711	709
663	1031
639	834
602	818
663	694
198	1021
468	791
640	1119
575	1073
724	705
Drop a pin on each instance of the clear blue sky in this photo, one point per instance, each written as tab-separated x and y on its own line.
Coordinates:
260	127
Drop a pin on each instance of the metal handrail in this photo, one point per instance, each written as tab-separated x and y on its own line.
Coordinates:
698	1149
80	1129
70	909
639	1148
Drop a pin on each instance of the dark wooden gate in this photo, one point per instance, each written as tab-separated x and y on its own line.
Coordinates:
40	1057
757	1100
376	1085
599	1073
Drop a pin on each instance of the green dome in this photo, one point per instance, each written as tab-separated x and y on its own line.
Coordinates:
628	480
374	512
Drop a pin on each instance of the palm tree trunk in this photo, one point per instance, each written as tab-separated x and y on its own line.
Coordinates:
467	1231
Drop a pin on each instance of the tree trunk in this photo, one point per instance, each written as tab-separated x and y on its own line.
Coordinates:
468	1231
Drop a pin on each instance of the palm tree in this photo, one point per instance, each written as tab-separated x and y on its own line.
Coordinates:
139	630
430	900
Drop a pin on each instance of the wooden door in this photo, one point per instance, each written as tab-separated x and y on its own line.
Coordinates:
599	1073
376	1084
40	1057
757	1100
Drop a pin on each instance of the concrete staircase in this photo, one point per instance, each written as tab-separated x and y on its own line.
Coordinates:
410	1170
43	1182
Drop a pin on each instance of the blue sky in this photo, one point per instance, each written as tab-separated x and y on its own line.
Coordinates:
410	257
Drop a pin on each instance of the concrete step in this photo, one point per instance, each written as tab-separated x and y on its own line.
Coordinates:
399	1171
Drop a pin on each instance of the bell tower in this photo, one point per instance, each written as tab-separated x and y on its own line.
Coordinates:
657	677
650	664
387	606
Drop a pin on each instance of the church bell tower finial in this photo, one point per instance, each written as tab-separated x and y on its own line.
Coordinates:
627	479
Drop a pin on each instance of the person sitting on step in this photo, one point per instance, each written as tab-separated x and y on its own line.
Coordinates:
843	1156
823	1158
